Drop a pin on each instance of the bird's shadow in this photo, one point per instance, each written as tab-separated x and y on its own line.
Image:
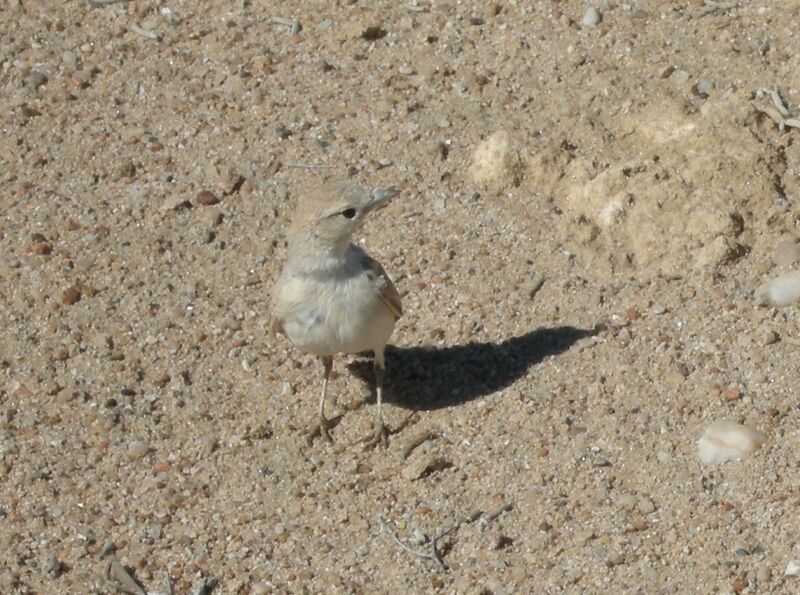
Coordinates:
428	377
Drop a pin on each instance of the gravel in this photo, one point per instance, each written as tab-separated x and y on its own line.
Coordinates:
586	210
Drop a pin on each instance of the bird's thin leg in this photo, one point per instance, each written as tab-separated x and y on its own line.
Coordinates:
321	427
380	435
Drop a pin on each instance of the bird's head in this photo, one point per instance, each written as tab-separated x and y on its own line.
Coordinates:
327	216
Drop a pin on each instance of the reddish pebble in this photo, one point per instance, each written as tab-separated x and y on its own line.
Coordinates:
71	296
732	394
60	355
40	248
206	198
297	39
160	467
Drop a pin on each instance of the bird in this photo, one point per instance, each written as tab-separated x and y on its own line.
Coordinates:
331	296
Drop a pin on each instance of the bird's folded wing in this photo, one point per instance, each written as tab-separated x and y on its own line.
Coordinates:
388	292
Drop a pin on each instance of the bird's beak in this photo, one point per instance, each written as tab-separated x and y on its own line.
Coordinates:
380	198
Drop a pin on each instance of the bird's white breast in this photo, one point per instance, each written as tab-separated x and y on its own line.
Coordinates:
336	310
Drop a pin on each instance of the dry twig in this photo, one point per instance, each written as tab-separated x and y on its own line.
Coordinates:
304	166
433	554
144	32
494	513
711	6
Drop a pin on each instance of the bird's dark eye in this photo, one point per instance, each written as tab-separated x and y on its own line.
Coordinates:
349	213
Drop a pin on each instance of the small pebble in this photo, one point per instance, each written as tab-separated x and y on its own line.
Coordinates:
781	291
35	80
787	252
214	217
137	450
373	33
423	465
60	355
792	568
591	18
71	296
498	541
766	336
108	547
160	467
40	248
646	506
206	198
763	573
732	394
702	88
627	501
615	560
51	564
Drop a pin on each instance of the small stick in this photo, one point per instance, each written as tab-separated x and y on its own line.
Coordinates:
432	555
494	513
778	101
415	8
144	32
711	6
304	166
293	24
106	2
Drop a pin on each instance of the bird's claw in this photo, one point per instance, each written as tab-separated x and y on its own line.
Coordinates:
321	428
378	437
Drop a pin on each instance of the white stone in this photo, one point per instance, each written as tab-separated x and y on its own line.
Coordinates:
726	440
781	291
792	568
591	17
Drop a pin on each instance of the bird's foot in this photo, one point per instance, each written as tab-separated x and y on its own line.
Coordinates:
322	429
378	437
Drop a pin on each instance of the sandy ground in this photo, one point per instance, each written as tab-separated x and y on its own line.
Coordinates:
578	301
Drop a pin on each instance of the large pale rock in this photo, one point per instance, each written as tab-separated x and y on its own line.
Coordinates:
683	189
496	162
